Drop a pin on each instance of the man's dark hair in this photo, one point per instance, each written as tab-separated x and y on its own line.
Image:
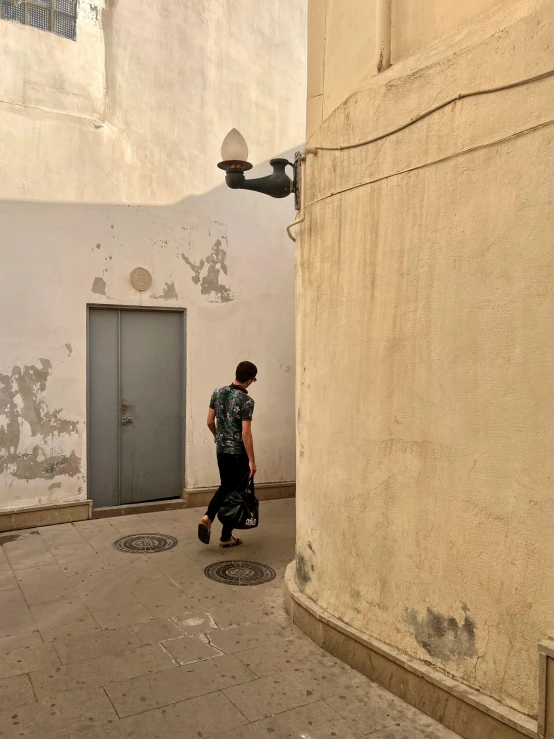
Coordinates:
246	371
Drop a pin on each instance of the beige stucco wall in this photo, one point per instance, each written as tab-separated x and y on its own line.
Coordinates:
341	50
418	23
108	148
425	362
342	42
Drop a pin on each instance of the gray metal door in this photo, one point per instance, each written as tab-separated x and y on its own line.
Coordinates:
135	401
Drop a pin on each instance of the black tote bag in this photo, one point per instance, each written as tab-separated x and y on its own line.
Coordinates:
240	509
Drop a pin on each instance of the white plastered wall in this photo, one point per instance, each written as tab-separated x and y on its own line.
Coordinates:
108	152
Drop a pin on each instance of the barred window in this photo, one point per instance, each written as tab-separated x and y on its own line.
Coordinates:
57	16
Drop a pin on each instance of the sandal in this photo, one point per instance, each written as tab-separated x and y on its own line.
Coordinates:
203	533
235	542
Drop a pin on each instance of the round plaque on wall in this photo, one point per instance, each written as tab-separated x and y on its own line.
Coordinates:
141	279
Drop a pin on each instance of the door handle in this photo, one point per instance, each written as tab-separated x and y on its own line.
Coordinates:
125	404
126	421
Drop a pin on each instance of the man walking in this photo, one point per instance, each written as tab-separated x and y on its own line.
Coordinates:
230	421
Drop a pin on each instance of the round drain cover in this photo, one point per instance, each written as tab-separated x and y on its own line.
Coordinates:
145	543
239	572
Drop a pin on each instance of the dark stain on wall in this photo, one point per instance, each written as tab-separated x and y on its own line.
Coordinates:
443	637
303	568
22	400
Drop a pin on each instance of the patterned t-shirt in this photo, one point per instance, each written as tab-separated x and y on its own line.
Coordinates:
232	406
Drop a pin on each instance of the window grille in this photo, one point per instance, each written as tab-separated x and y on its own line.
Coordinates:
57	16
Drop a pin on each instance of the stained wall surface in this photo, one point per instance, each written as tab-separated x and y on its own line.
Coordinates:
424	355
108	152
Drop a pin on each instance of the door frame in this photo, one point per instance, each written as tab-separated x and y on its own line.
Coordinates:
182	398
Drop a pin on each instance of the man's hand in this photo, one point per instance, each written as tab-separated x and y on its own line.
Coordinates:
249	445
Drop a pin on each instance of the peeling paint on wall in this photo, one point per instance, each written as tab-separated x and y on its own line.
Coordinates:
196	268
30	430
443	637
88	12
169	292
207	273
69	349
99	286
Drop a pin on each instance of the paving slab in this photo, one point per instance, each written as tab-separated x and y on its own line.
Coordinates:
25	659
81	647
136	525
203	716
174	609
99	537
4	564
316	721
121	615
93	526
15	691
60	535
371	709
79	562
172	686
63	617
155	591
28	550
15	616
51	718
195	622
207	593
28	639
247	637
234	616
101	670
414	729
299	655
269	695
147	725
187	649
7	580
44	584
157	630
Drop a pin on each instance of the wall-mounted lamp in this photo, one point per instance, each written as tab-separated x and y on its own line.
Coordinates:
234	153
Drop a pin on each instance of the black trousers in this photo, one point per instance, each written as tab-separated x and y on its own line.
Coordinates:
233	470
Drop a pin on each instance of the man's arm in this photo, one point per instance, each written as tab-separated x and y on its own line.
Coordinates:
211	422
249	445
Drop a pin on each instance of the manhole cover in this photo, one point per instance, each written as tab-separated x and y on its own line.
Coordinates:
145	543
239	572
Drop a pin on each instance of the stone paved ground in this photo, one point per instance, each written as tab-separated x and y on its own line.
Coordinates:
96	643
